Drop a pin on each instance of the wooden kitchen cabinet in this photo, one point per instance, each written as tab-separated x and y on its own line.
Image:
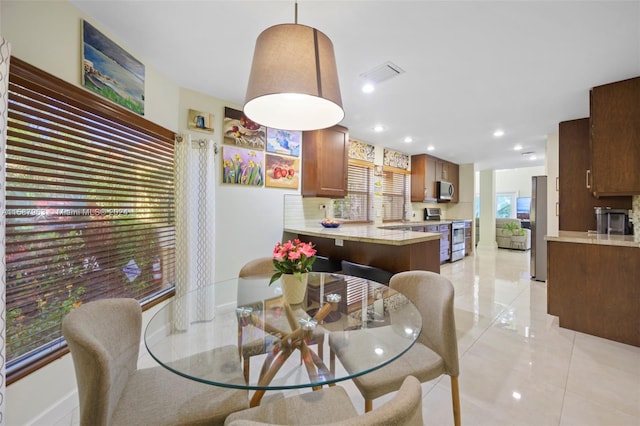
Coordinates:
324	162
423	178
615	138
575	209
593	289
426	171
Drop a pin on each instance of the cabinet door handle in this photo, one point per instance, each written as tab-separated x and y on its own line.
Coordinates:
588	179
557	183
557	208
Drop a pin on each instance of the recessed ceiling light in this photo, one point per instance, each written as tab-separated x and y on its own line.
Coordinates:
430	148
517	147
408	139
378	128
368	88
498	133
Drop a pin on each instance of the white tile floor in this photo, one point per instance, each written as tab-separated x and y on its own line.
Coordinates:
517	366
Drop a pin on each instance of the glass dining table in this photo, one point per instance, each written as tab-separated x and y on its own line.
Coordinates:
242	333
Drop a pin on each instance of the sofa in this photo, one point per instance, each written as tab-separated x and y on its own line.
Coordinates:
504	235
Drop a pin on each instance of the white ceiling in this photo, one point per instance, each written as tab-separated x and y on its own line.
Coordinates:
470	67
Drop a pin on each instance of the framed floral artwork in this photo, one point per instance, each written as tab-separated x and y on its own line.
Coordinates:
282	171
240	131
242	166
286	142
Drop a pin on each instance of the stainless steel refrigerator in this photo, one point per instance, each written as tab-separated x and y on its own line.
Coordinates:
538	217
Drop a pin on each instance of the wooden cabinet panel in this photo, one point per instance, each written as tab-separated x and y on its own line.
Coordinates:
324	162
426	171
593	289
423	178
615	138
576	201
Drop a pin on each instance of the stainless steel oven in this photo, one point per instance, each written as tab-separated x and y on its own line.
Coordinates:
457	240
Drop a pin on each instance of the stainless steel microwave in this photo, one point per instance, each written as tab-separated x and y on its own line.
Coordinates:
445	190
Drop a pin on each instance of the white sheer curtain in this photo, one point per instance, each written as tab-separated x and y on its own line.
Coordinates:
195	221
5	54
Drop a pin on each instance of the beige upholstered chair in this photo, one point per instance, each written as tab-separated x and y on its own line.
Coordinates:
259	267
104	339
332	406
435	352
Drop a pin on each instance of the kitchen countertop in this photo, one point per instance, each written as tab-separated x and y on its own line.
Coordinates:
592	238
378	234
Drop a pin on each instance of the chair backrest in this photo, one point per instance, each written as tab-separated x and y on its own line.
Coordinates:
325	264
260	267
367	272
405	408
433	296
104	340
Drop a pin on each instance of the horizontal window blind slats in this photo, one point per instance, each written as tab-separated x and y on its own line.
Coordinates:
137	149
48	157
89	209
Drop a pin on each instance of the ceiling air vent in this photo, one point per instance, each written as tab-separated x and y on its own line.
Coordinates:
382	72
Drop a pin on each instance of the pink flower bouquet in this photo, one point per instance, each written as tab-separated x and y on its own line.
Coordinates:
292	258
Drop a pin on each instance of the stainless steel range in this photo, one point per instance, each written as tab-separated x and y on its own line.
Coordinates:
457	232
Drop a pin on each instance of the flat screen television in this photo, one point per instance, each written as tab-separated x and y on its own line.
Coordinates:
523	207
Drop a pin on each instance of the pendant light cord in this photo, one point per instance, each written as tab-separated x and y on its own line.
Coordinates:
296	14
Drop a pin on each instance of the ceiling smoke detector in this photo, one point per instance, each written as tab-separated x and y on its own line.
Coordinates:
382	72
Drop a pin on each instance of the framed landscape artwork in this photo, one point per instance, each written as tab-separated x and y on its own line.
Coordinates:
110	71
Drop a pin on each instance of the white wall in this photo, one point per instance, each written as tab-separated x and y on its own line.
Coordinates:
552	166
517	180
248	219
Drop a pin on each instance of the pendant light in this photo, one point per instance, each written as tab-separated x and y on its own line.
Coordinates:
293	83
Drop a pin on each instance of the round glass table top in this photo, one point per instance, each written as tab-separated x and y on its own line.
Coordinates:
242	333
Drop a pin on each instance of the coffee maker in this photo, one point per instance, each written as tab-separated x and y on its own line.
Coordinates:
612	221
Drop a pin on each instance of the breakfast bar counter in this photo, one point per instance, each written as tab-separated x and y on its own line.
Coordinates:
394	250
593	286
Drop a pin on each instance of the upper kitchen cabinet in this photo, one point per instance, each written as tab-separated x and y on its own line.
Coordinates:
423	178
615	138
324	162
426	171
576	205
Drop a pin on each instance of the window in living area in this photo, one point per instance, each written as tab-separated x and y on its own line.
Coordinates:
506	204
89	210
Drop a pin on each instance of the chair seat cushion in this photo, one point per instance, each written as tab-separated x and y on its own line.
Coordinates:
305	409
419	361
157	396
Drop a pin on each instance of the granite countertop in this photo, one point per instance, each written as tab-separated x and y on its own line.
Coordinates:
592	238
379	234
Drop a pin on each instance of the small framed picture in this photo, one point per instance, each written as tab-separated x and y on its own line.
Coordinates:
200	120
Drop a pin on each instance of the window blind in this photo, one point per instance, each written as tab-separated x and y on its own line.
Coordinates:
395	187
89	208
357	204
